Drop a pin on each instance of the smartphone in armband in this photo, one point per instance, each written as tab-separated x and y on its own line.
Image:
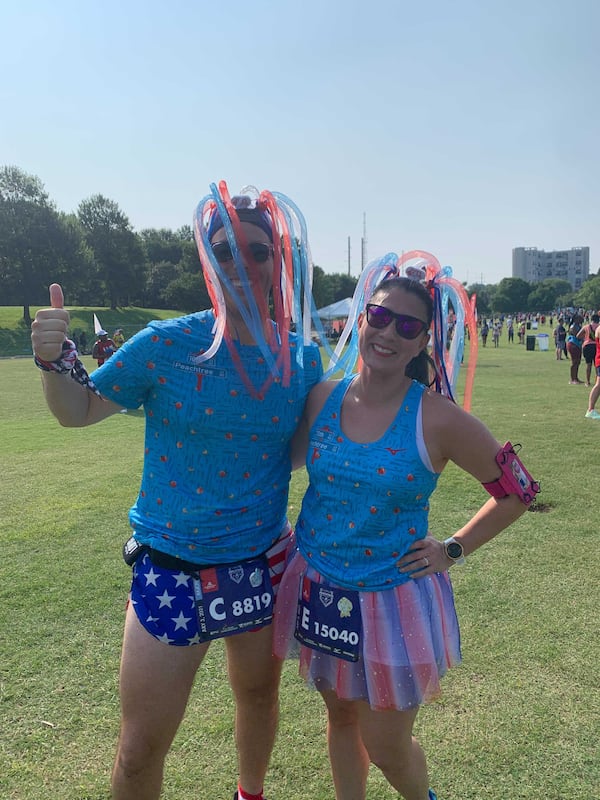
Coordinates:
131	551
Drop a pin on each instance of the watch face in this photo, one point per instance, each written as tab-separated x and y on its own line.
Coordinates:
454	550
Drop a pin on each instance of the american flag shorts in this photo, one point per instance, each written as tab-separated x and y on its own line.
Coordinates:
163	599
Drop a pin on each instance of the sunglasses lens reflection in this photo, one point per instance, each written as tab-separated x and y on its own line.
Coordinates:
222	252
378	316
407	327
259	251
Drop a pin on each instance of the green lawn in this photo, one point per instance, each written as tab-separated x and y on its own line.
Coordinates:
519	720
15	335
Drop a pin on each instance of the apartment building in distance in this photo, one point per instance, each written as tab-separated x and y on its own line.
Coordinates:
533	265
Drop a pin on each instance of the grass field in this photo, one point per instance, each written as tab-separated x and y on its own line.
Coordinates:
15	339
519	720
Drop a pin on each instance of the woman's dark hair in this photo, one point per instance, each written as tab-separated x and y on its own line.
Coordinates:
422	367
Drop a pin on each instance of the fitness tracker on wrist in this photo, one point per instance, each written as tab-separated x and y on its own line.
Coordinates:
454	550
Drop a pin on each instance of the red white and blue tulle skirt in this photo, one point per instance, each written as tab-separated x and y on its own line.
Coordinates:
410	638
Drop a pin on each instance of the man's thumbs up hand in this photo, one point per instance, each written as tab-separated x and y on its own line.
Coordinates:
57	299
49	328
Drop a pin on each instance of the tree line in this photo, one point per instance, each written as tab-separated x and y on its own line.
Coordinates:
98	257
102	261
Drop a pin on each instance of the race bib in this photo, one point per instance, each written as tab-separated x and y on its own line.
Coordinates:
329	620
233	598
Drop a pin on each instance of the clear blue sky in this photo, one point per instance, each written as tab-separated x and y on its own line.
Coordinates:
463	128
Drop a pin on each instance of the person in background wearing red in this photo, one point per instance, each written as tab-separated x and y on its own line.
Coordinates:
591	413
103	348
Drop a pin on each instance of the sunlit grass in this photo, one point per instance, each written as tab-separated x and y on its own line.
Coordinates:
518	720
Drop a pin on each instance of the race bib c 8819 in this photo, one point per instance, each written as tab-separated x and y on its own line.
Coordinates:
232	598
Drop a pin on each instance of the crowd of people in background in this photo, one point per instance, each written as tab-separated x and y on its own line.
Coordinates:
575	340
576	336
494	326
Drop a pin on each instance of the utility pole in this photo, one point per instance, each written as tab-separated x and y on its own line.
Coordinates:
348	256
363	243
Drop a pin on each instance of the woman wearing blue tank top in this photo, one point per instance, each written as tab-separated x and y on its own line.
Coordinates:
367	593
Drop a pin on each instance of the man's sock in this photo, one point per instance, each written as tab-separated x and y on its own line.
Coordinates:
242	795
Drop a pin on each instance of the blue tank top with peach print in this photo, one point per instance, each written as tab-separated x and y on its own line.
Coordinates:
216	464
366	503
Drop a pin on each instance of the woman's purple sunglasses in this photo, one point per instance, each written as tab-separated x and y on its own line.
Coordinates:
407	327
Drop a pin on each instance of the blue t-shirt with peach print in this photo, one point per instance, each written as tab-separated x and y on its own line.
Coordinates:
216	463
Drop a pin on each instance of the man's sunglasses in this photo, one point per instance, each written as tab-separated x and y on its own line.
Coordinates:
406	327
260	251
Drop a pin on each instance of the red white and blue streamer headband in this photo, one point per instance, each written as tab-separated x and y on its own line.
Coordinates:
292	277
448	296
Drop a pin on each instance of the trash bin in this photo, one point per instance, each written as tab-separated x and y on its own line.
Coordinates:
534	325
530	343
542	340
529	326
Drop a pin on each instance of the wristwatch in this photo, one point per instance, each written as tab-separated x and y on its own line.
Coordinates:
454	550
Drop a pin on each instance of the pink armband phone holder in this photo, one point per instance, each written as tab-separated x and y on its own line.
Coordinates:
515	479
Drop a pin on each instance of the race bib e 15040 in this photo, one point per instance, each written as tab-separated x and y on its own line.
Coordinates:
328	619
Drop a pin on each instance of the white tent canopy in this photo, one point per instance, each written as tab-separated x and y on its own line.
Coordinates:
336	310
